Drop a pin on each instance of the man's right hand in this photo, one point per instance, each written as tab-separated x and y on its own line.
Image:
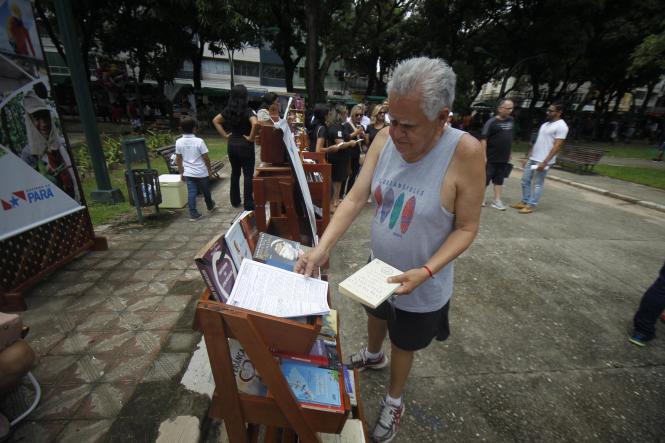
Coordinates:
311	260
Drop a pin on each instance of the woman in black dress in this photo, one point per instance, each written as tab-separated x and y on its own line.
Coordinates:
377	123
356	131
238	124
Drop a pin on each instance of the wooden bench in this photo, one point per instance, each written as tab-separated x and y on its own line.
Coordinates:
579	158
167	152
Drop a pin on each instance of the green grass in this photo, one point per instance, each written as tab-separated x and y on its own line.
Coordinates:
644	176
637	150
104	213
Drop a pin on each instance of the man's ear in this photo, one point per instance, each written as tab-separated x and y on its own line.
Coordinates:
443	115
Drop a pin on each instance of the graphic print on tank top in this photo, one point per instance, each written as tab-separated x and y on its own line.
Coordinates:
378	197
392	210
387	204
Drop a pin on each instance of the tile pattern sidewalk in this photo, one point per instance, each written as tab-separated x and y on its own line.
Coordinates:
113	335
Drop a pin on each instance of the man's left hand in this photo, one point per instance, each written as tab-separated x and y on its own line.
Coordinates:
409	280
541	166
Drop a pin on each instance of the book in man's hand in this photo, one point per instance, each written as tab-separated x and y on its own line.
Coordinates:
217	268
369	285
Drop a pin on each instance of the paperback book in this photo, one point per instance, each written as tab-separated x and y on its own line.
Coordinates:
369	285
277	251
314	387
247	379
217	268
329	326
317	356
236	242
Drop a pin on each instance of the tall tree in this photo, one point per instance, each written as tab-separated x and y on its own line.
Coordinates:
222	23
90	17
378	32
282	26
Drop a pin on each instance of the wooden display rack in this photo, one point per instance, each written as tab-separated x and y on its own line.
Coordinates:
279	410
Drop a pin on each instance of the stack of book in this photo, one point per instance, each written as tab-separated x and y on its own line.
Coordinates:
254	285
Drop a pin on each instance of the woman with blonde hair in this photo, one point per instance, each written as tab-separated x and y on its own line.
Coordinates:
356	131
377	122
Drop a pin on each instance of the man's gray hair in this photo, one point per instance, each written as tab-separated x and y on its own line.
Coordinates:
432	77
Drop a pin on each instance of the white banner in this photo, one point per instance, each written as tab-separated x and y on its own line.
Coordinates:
28	198
292	148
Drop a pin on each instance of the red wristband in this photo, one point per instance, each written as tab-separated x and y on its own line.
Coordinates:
429	271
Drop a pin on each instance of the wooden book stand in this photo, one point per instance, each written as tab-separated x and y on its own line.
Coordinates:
258	333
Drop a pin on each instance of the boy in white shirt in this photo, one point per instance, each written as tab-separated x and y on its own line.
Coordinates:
194	166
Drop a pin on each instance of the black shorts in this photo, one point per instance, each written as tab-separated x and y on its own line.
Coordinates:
495	172
412	331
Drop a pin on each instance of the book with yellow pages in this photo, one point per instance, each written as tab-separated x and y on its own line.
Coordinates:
369	285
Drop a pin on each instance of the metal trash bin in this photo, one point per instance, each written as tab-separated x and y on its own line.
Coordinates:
146	183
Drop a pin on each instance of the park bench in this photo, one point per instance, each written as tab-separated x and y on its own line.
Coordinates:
582	159
167	152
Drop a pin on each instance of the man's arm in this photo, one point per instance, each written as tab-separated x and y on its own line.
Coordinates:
558	143
347	210
469	176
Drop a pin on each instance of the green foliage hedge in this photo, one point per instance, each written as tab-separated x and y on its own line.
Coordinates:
112	147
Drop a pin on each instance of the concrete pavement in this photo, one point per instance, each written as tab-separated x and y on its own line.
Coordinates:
538	352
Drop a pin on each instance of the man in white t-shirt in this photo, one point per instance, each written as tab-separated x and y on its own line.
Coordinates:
194	166
551	136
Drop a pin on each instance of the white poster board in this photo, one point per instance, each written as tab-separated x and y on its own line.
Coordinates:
27	198
292	149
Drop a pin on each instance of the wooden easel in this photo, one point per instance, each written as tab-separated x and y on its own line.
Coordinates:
258	333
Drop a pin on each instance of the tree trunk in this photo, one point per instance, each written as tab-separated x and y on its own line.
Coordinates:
197	58
371	75
647	97
289	69
314	89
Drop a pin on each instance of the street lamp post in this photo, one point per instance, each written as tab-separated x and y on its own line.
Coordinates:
104	192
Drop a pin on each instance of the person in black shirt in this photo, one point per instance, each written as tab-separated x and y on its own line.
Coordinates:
496	139
356	131
238	124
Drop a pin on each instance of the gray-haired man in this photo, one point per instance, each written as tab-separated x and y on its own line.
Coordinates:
496	139
426	180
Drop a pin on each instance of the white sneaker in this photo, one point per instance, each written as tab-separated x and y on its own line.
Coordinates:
498	204
484	204
388	423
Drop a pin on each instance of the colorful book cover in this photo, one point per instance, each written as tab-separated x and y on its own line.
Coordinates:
314	386
236	241
329	326
217	268
318	355
277	251
350	385
247	379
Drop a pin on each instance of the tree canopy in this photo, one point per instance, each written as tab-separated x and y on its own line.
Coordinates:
553	47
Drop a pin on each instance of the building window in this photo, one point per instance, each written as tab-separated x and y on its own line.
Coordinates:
301	72
273	71
247	69
218	67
